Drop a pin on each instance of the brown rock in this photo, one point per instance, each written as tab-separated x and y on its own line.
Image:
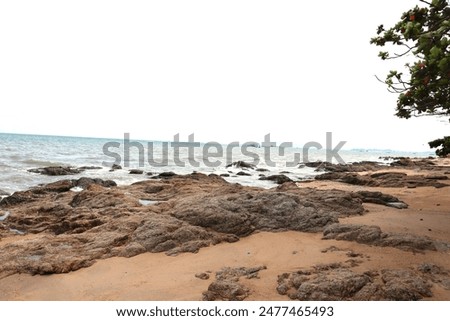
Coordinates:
373	235
336	283
56	170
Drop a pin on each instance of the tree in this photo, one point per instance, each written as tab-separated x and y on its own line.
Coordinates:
423	34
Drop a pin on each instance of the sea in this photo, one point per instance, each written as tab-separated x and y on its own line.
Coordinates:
20	152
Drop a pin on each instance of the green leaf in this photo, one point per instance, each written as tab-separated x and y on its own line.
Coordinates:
444	64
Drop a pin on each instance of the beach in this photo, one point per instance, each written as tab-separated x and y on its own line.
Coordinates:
312	240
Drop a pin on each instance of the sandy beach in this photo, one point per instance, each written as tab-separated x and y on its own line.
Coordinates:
187	276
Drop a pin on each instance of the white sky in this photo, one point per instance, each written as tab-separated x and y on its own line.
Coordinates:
223	70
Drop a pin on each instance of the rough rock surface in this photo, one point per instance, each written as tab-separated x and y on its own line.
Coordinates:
380	198
65	230
385	179
338	282
372	235
226	287
136	171
364	166
56	170
241	164
351	167
279	179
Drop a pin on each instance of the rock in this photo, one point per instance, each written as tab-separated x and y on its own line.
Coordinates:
241	164
262	170
202	276
384	179
340	168
55	170
225	290
85	182
279	179
136	172
436	177
404	285
380	198
225	175
227	286
317	164
241	173
409	162
69	230
83	168
166	175
337	283
115	167
398	205
372	235
243	214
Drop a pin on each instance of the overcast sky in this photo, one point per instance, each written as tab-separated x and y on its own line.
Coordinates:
223	70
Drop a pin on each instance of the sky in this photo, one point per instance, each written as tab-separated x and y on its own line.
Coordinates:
231	70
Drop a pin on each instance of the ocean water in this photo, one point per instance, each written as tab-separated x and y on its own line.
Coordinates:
19	153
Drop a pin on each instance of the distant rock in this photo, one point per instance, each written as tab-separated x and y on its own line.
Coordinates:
89	167
242	173
56	170
408	162
262	170
166	175
85	182
279	179
345	168
242	164
136	172
225	175
115	167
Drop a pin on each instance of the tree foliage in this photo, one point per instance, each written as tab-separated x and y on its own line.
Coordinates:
424	88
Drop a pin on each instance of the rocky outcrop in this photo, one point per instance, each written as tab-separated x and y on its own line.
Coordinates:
56	170
226	287
69	228
241	164
372	235
279	179
381	198
242	214
347	168
41	192
136	171
365	166
338	282
384	179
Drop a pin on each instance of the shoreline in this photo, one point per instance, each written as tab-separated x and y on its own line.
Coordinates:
278	252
